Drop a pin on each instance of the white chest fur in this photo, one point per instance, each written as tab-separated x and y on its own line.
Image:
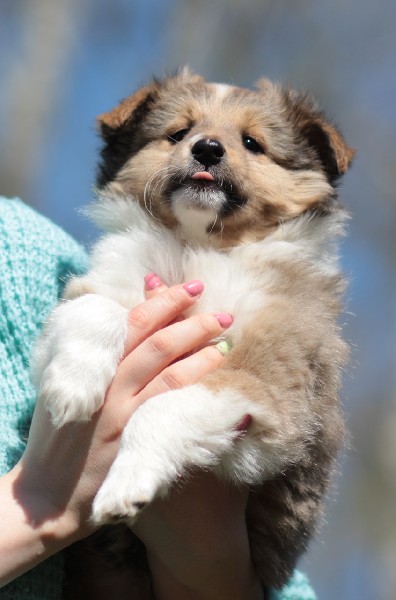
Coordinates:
121	260
236	282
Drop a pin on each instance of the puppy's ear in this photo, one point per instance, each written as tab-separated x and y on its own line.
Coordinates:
327	142
121	130
325	136
132	108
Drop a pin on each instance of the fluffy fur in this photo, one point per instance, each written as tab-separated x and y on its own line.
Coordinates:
237	188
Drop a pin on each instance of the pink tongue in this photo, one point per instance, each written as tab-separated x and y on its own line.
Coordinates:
203	175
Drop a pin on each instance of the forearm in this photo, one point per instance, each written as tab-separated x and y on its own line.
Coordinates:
28	536
207	580
197	543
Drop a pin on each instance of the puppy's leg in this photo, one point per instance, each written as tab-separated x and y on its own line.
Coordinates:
77	356
191	427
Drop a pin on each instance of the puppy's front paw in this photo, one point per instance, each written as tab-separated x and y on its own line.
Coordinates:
126	491
77	356
73	392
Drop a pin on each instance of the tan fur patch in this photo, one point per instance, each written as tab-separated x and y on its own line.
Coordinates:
289	362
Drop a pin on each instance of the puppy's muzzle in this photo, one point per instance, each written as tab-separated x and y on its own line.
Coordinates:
208	152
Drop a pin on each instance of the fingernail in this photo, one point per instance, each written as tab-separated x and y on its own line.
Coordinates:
223	347
152	281
194	287
225	319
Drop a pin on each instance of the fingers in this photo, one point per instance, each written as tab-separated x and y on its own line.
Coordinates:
160	339
161	349
159	310
184	372
153	285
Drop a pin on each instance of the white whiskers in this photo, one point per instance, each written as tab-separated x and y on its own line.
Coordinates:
159	178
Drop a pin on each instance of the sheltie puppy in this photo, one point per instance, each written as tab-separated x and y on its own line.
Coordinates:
238	188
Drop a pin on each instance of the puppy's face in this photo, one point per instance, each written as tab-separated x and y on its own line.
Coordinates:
222	164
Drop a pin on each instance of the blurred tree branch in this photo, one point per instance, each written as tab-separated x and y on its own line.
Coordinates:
31	85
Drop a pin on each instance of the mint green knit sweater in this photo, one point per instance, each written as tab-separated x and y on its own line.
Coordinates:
36	258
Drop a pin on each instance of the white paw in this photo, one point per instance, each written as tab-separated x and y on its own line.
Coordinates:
77	355
74	392
126	491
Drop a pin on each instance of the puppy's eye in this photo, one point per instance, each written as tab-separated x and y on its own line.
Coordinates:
252	145
178	135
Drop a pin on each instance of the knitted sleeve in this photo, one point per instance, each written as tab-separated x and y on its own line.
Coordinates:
298	588
36	258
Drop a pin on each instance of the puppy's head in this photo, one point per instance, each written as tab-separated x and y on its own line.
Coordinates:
222	164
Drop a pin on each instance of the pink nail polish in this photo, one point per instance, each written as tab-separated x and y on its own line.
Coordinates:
194	287
225	319
152	281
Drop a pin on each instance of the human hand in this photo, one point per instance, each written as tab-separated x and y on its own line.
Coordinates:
70	464
51	489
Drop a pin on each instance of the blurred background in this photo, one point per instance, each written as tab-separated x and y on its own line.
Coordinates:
62	62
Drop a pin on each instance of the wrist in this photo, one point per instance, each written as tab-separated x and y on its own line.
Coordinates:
203	564
28	531
53	526
207	582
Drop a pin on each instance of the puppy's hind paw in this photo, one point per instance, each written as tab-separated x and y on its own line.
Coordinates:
116	512
122	497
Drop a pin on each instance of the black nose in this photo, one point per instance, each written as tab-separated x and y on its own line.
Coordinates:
208	152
